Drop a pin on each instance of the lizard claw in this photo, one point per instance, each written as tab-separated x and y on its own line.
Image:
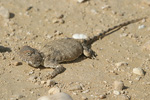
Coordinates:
93	56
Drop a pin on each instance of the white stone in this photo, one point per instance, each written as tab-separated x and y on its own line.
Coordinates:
141	27
79	36
4	12
54	90
58	96
138	71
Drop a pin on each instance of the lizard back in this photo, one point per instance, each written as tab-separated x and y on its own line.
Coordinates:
62	50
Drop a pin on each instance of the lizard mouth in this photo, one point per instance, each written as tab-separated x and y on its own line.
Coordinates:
33	65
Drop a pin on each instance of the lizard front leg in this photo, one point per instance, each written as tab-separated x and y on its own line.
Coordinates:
57	67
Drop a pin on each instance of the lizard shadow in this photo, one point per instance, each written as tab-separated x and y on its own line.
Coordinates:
11	15
81	58
113	31
4	49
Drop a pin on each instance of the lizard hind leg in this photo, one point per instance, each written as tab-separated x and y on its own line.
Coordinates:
88	52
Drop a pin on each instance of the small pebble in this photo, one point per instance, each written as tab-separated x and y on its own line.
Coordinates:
118	85
86	91
28	33
57	96
4	12
106	7
50	82
49	36
79	36
116	92
56	20
124	35
76	87
138	71
54	90
141	27
130	82
31	72
102	96
43	82
121	64
32	78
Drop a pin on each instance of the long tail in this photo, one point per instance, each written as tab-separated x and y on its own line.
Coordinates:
117	27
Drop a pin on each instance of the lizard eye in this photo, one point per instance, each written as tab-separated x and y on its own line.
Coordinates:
28	53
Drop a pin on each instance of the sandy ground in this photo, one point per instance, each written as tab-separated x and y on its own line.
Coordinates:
35	22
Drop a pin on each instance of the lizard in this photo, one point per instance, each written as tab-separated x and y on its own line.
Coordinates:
64	50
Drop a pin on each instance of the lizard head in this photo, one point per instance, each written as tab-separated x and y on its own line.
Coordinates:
32	56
